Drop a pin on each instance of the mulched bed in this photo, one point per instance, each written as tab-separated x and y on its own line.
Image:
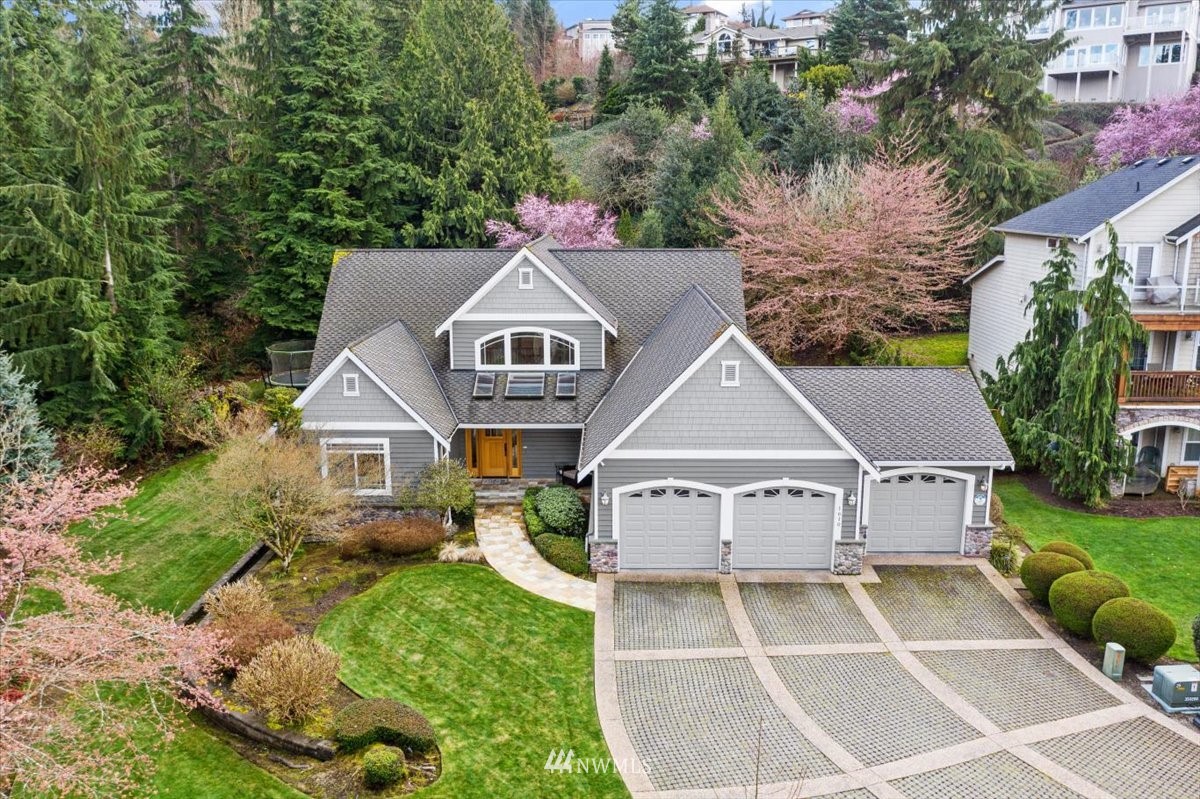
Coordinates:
1157	505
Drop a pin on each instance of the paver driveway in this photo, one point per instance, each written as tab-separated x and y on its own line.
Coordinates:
925	678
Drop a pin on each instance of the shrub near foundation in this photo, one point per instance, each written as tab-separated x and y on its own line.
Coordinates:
1076	597
1071	551
1041	569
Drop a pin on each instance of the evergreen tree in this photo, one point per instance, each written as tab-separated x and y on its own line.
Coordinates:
26	445
967	85
756	102
882	19
473	135
604	73
1029	382
322	176
187	94
650	232
89	296
626	20
662	57
843	42
535	26
710	83
1086	451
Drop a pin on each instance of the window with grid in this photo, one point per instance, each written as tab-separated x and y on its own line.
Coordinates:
358	466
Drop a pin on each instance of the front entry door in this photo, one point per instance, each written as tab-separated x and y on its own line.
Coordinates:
493	447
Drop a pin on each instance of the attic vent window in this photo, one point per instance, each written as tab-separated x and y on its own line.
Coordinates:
350	385
731	373
1052	243
525	278
485	385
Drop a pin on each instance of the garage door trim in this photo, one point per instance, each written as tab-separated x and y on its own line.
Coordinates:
785	482
971	486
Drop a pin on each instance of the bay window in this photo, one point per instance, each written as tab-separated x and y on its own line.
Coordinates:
521	348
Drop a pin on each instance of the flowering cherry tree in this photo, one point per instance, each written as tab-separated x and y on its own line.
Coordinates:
578	223
852	253
854	107
63	670
1169	126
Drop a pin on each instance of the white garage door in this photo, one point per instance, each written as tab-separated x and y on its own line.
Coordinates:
669	528
783	528
916	513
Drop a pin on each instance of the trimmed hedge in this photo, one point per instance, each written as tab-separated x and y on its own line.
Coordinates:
1071	551
533	522
561	509
383	766
563	552
1144	630
1041	569
1076	597
387	721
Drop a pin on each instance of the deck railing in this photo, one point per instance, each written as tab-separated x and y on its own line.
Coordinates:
1183	387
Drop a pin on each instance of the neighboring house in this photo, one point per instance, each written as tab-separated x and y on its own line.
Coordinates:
1155	207
704	17
590	37
806	18
1136	50
779	47
632	369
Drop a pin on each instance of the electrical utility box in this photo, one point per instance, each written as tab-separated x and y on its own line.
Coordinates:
1177	687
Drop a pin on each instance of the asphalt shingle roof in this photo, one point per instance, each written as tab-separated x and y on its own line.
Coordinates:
691	326
1184	229
905	413
369	289
396	357
544	250
1088	207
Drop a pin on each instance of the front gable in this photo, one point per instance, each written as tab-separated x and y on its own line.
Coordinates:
350	395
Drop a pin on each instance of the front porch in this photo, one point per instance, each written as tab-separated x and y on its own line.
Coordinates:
1166	447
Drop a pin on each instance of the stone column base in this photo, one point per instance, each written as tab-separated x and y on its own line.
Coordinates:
602	556
726	557
848	556
978	542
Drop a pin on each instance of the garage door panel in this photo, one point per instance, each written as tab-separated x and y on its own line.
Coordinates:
782	528
916	513
669	528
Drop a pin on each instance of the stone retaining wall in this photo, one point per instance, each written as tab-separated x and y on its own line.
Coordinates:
251	726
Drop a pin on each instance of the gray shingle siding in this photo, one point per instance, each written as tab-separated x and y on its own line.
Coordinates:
544	450
589	334
328	406
544	297
724	473
703	414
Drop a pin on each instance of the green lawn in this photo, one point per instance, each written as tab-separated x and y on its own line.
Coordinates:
504	676
934	349
1158	558
170	552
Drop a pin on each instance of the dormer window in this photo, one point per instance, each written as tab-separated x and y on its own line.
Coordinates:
521	348
731	373
349	385
525	277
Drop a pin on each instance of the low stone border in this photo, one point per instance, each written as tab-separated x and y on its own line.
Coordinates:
254	728
255	557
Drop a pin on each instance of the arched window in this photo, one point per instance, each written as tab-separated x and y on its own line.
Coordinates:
527	348
724	43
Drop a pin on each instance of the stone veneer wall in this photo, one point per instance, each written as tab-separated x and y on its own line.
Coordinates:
978	541
602	556
726	557
848	556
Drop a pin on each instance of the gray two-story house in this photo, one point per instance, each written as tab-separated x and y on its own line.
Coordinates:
631	370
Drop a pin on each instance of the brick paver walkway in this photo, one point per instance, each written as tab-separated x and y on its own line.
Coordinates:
500	532
923	678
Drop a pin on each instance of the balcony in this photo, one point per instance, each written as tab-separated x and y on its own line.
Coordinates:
1166	19
1162	387
1164	295
1080	61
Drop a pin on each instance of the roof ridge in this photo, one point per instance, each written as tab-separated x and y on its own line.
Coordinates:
377	330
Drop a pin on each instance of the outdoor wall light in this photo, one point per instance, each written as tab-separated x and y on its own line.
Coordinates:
604	498
852	500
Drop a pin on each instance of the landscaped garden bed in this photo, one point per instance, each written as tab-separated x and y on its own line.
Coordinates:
556	522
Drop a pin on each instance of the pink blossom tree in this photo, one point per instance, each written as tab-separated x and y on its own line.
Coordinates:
1169	126
575	224
63	727
854	107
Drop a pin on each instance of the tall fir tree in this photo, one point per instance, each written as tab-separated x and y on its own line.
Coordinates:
535	26
26	444
882	19
604	73
321	173
626	20
710	83
1079	430
1027	384
843	41
473	135
89	299
967	84
663	66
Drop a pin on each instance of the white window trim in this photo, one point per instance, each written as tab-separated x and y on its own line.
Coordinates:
346	378
737	373
1183	445
386	491
508	366
525	278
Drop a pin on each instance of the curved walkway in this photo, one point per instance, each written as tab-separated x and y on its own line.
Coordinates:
500	532
920	679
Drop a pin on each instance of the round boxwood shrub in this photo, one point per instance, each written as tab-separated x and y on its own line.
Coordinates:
1144	630
369	721
383	766
563	552
561	509
1041	569
1076	597
1071	551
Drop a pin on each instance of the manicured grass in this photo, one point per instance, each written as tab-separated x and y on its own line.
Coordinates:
934	349
504	676
1158	558
171	552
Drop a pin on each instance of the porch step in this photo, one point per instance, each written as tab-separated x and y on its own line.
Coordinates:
506	497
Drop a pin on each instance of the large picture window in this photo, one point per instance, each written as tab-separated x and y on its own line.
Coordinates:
357	465
520	348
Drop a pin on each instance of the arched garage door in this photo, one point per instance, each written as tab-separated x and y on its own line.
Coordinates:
783	528
669	528
916	513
